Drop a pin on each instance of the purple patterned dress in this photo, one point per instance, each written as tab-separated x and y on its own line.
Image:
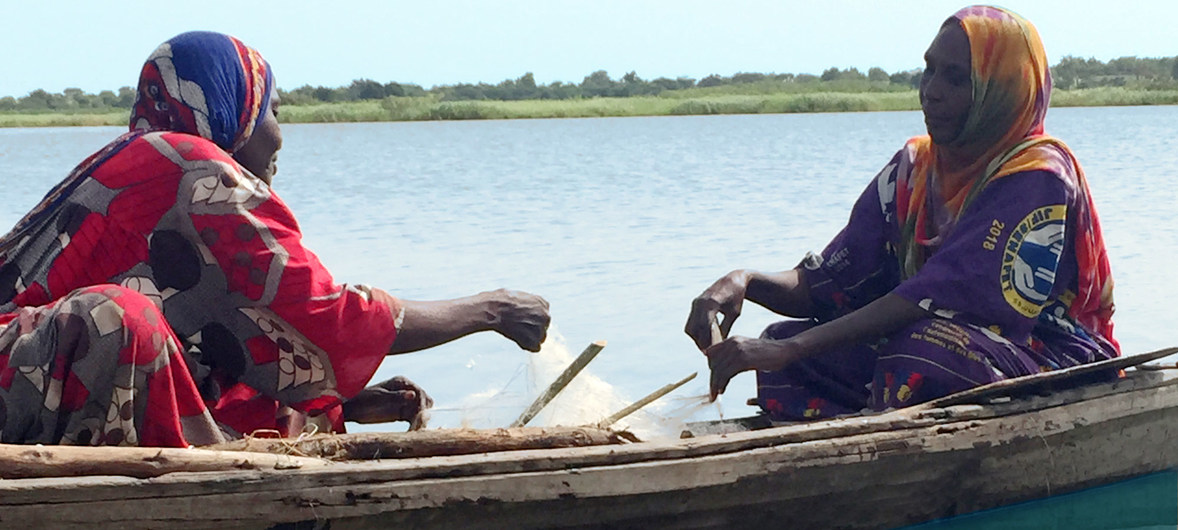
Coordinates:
997	285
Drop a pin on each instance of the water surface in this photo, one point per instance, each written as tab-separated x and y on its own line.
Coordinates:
620	222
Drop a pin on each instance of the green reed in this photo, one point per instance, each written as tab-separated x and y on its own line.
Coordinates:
1112	97
753	98
55	119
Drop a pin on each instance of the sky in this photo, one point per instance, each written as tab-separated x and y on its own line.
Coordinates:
100	45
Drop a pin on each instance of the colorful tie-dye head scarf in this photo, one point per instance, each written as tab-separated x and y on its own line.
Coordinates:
1004	133
201	83
206	84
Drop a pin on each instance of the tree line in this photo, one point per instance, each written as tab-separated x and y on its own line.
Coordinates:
1069	73
1074	72
596	84
70	99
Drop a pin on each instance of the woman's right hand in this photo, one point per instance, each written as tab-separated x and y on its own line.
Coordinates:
741	354
521	317
724	297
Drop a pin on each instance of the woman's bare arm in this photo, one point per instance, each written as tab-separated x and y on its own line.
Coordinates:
785	293
886	315
521	317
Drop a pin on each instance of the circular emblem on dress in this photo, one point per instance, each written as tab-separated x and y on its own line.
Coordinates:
1030	257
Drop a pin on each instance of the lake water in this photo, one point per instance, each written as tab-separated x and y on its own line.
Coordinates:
620	222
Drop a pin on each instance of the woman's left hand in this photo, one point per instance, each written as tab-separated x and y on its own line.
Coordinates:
740	354
397	399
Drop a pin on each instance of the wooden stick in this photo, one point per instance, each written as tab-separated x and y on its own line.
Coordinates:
28	461
417	444
561	381
717	337
644	401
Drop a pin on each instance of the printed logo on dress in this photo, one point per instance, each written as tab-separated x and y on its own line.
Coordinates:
1030	257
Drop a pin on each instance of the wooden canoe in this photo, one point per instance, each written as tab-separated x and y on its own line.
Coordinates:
1009	442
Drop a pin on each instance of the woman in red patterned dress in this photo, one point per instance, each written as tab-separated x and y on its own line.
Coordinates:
161	295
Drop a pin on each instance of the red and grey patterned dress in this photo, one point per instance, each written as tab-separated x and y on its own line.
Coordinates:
161	294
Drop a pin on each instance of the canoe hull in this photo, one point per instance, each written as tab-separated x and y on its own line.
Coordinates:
868	481
888	470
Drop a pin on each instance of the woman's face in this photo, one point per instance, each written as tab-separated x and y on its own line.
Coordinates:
260	153
946	88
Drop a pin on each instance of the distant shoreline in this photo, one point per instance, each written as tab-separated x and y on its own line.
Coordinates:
431	109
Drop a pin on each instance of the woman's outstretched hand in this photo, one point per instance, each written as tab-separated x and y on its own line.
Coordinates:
724	297
739	354
397	399
521	317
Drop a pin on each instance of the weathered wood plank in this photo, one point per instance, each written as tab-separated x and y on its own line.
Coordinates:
28	461
418	444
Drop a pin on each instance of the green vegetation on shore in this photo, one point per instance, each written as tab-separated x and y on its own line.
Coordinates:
1079	82
431	108
61	119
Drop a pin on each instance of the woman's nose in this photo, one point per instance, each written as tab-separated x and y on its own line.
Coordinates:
933	87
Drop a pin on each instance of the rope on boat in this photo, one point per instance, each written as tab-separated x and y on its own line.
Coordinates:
289	447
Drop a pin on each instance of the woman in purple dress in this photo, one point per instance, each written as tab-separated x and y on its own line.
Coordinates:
974	256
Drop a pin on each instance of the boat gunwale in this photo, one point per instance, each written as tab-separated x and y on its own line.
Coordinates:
358	473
